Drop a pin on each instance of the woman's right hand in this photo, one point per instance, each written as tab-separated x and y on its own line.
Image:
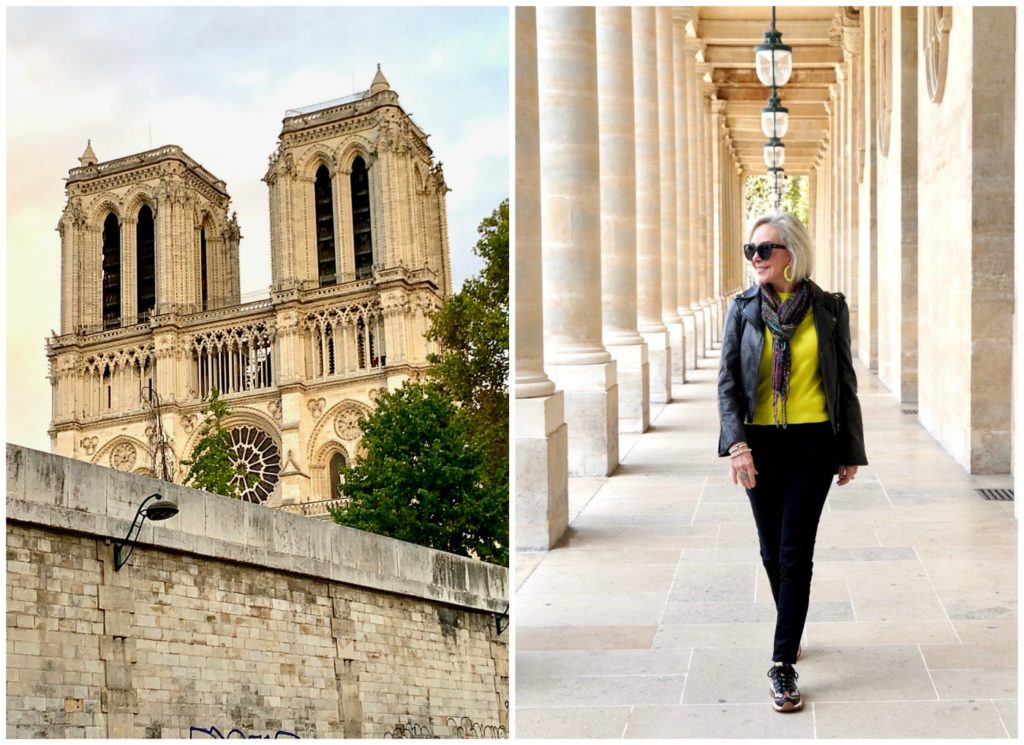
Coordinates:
743	471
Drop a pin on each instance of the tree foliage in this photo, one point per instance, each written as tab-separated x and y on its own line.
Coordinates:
212	466
436	465
420	480
471	330
759	200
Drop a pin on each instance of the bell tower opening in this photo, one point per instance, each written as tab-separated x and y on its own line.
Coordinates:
111	272
324	198
361	229
145	255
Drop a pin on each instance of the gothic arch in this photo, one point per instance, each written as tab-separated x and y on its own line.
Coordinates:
100	207
318	468
357	147
136	199
327	420
123	453
311	161
240	417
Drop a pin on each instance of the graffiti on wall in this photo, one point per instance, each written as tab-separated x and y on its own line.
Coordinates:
199	733
462	728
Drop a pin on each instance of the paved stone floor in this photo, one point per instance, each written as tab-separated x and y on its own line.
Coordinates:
653	617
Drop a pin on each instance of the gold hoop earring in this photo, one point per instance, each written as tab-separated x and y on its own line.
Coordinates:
787	272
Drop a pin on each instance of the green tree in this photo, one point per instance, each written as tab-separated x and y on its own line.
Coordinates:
212	465
471	330
421	478
759	199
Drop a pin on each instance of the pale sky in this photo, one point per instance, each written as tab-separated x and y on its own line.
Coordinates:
217	82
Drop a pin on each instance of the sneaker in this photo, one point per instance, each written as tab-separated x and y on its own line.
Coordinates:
785	696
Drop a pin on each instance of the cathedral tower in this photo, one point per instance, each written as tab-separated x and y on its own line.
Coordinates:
151	319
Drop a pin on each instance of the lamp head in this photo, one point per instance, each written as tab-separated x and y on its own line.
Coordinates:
161	510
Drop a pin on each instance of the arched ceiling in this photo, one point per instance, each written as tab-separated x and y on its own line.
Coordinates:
730	35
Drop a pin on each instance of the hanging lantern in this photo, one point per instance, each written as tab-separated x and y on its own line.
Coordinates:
774	153
774	118
774	60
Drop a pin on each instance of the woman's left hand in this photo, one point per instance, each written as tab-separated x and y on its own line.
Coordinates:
846	474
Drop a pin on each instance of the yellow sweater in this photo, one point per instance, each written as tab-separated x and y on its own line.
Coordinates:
806	402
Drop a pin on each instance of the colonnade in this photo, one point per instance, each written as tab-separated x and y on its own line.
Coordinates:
628	217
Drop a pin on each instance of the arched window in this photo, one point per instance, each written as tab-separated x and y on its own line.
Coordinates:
324	227
111	272
361	231
337	461
145	284
202	260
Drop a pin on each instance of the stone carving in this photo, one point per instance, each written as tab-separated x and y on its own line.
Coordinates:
316	407
346	424
89	444
274	407
188	423
123	457
151	434
937	22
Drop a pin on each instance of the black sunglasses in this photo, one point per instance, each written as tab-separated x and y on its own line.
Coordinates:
764	250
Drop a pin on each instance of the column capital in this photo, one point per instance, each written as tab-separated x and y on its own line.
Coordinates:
693	44
682	15
717	106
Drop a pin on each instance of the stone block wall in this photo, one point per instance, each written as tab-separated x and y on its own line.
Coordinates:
897	218
945	204
231	616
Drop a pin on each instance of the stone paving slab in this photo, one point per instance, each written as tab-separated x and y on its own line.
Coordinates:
571	722
595	662
718	721
658	592
604	690
909	719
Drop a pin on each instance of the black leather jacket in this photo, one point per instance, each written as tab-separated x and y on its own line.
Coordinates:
742	346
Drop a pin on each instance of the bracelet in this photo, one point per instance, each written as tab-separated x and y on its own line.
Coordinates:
740	448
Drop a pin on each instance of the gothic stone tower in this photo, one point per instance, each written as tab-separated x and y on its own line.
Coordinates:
151	318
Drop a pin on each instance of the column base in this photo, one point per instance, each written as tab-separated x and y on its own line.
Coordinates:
542	475
592	415
634	386
659	366
709	325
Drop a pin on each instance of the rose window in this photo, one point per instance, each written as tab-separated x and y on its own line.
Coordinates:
258	456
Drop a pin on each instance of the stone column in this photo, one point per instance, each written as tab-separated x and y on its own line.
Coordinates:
685	187
717	180
648	203
570	236
542	501
669	227
618	215
709	138
698	201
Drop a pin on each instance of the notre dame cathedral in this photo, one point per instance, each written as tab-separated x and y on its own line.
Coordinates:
152	319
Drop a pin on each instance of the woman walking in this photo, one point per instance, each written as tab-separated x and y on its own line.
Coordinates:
790	419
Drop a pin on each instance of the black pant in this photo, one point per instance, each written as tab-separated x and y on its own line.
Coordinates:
795	467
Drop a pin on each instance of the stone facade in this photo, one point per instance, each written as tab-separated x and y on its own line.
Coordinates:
230	616
151	314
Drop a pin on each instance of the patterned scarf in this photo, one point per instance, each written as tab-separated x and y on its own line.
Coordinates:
782	320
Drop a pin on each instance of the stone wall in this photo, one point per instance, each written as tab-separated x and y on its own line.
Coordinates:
234	616
945	202
965	257
897	217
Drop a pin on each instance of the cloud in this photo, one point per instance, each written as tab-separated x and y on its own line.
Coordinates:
217	82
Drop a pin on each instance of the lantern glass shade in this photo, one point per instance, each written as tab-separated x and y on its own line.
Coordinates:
783	64
774	122
774	154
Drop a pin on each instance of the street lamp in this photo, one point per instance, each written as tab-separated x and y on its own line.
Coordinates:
162	509
774	118
773	59
774	153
